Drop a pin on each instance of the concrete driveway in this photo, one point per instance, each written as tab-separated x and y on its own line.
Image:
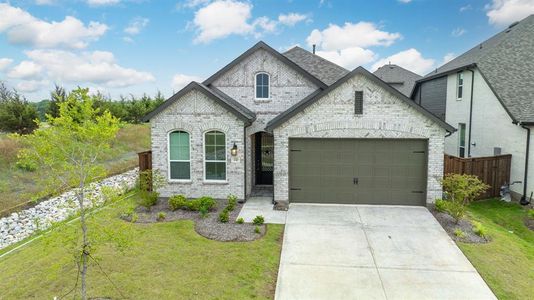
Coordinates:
372	252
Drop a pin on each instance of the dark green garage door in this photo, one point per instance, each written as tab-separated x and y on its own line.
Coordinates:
358	171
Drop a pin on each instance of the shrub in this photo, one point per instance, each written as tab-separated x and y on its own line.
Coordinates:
177	202
460	190
203	212
459	233
257	229
530	214
134	218
240	221
161	216
205	202
180	202
148	199
456	210
258	220
224	217
440	205
479	229
232	201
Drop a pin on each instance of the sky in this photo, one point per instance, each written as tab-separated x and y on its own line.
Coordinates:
123	47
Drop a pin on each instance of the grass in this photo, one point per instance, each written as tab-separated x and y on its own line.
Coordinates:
18	186
507	262
167	260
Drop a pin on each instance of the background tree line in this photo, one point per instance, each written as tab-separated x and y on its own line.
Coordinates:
18	114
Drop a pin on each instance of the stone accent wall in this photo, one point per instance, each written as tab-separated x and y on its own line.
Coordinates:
196	114
385	116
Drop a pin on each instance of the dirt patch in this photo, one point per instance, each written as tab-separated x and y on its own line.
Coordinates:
529	223
449	224
210	226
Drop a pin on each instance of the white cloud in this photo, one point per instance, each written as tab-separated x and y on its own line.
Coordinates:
221	19
405	1
465	8
136	25
4	63
23	28
102	2
291	19
25	70
458	32
45	2
97	67
349	58
181	80
410	59
264	23
448	57
505	12
191	3
32	86
362	34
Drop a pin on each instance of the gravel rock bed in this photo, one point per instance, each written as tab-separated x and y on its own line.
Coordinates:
449	224
20	225
209	227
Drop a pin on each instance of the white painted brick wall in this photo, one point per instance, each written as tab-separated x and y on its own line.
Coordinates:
385	116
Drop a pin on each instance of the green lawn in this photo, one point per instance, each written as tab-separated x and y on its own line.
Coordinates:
18	186
507	262
166	261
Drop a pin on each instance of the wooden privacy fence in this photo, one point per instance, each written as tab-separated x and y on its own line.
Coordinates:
492	170
145	163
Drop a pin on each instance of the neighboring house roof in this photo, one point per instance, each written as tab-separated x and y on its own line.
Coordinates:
327	71
314	97
506	61
264	46
213	93
401	79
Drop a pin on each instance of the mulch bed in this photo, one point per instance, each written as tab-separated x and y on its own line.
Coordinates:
210	226
529	223
449	224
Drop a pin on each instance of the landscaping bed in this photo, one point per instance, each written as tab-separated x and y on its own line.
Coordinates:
461	231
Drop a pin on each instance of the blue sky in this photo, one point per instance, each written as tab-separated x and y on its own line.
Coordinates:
141	46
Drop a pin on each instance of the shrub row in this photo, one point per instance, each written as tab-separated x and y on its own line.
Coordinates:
202	204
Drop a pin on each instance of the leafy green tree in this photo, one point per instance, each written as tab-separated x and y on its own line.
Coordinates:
16	114
69	149
460	190
57	96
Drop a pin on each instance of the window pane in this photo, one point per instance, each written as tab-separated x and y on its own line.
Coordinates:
180	170
210	152
265	79
258	79
460	91
220	153
215	171
265	92
258	92
219	139
210	138
179	145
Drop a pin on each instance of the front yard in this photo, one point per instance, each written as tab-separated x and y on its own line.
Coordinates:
167	260
507	262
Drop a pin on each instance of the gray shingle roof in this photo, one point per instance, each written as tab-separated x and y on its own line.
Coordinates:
327	71
401	79
506	61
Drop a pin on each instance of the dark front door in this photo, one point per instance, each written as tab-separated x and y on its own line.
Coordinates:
264	158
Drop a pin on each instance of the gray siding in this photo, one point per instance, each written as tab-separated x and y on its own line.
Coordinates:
432	95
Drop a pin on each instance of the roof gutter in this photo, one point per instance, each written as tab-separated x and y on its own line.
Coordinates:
524	200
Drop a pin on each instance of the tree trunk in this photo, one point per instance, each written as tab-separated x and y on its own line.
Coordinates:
85	250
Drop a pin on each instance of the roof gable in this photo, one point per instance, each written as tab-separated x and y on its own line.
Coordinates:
306	102
218	96
400	78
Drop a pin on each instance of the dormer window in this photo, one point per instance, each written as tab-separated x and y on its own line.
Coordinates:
262	86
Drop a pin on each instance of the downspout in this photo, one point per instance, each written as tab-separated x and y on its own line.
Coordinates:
470	111
524	200
245	162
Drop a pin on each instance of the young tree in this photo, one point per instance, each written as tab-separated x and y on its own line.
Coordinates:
16	114
69	149
57	96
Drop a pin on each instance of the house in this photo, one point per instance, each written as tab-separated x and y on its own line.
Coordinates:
401	79
488	94
301	126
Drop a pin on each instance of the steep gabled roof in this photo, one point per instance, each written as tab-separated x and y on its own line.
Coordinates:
314	97
506	61
218	96
282	58
401	79
327	71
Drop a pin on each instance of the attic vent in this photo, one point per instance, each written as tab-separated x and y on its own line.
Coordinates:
358	102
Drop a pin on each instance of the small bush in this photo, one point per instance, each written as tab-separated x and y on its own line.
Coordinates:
460	190
455	209
232	201
206	202
134	217
258	220
459	233
440	205
177	202
240	221
161	216
530	214
148	199
257	229
224	217
479	229
203	212
180	202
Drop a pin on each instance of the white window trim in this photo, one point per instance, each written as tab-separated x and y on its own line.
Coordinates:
458	85
169	157
225	157
256	87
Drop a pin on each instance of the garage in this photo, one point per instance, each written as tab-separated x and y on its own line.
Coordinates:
358	171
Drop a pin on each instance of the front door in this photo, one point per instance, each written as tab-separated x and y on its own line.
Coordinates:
264	158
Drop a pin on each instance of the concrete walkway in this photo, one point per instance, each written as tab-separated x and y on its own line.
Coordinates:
372	252
262	206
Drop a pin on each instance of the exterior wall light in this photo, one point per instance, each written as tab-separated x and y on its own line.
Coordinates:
233	151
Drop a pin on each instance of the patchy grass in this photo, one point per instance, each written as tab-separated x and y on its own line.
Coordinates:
18	186
167	260
507	262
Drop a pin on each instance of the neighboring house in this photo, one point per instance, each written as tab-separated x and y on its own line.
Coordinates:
295	121
487	93
401	79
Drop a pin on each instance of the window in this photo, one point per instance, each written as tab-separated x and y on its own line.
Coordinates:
358	102
461	141
214	156
460	85
179	156
262	86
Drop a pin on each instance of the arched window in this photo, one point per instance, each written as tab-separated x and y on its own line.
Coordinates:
214	156
179	156
262	86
